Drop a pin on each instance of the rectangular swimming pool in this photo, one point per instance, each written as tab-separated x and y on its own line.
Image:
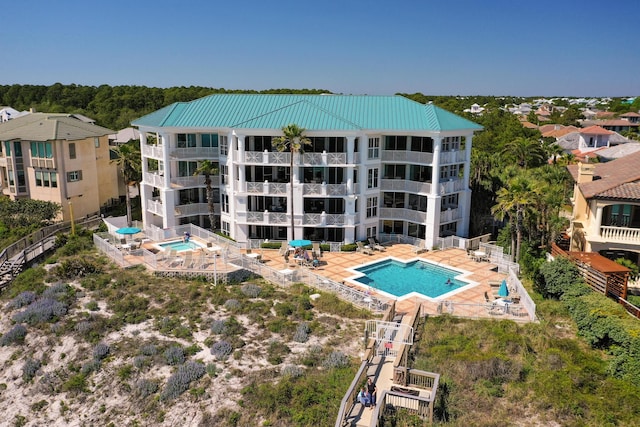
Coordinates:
402	279
180	246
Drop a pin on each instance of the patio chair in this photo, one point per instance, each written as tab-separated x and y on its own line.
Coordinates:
375	245
364	250
200	260
315	250
169	255
188	260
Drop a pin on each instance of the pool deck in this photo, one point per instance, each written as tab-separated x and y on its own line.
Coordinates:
336	265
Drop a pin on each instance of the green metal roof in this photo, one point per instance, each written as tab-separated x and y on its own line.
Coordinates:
311	112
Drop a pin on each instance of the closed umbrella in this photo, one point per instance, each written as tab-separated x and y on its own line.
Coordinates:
299	243
504	290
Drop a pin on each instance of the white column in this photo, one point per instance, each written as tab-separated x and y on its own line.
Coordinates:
435	172
464	198
231	184
239	159
598	222
350	146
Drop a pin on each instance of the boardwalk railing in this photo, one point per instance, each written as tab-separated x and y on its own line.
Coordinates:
391	401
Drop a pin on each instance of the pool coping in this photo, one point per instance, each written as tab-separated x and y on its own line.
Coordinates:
158	245
462	276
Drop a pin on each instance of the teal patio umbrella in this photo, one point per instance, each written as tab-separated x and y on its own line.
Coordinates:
299	243
504	290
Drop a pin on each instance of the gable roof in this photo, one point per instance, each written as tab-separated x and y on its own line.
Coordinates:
49	127
630	114
595	130
611	175
311	112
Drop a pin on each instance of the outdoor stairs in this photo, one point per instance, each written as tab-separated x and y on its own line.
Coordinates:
9	269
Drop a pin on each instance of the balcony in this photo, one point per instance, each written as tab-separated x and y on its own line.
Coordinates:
153	178
155	206
266	218
194	153
153	151
393	156
191	209
267	188
324	219
612	234
266	157
452	157
405	186
326	189
403	214
324	159
193	181
450	215
452	186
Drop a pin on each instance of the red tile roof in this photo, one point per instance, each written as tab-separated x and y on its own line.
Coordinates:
608	176
596	130
630	114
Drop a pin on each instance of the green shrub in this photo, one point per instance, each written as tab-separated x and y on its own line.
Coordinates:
76	383
349	247
271	245
76	267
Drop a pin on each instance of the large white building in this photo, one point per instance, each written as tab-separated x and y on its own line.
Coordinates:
376	164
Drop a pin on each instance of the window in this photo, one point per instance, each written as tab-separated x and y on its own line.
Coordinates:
7	148
187	168
449	201
423	144
226	228
96	142
209	140
46	179
417	203
395	142
224	199
448	229
372	232
374	148
394	200
449	171
72	150
74	176
372	180
451	143
186	140
258	143
394	171
372	207
41	149
224	145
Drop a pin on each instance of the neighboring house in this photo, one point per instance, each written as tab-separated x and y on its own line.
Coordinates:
632	117
123	136
606	208
8	113
475	109
58	158
376	164
617	151
586	140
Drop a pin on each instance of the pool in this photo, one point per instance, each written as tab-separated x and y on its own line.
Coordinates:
404	279
180	246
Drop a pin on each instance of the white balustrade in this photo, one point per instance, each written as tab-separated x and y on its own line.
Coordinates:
155	206
620	234
194	153
192	209
153	151
154	179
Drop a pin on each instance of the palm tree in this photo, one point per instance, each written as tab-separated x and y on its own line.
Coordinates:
129	161
526	152
294	140
208	168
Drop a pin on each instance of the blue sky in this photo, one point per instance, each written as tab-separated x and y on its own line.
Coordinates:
454	47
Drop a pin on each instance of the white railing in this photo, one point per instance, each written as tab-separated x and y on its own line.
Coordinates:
452	156
325	189
451	186
407	156
266	188
153	151
312	219
194	153
406	214
336	158
312	159
155	206
154	179
324	219
450	215
278	218
312	189
405	185
192	209
324	159
620	234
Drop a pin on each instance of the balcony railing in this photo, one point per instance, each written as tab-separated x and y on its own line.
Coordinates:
451	186
193	181
452	157
155	206
153	151
266	217
450	215
266	157
403	214
194	153
267	188
39	163
192	209
407	156
324	159
405	185
326	189
620	234
153	178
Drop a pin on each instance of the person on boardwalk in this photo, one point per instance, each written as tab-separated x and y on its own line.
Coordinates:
363	397
372	390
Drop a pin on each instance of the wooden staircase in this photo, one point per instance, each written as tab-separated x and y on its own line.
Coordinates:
10	268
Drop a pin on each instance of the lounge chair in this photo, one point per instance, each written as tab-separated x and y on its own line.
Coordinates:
188	260
375	245
364	250
315	250
200	260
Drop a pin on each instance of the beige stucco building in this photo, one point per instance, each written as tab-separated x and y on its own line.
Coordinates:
58	158
606	208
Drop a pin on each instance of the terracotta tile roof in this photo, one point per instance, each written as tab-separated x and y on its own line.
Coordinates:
615	122
626	191
630	114
609	175
595	130
605	114
529	125
558	133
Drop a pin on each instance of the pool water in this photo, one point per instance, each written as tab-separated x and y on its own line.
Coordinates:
180	246
400	279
